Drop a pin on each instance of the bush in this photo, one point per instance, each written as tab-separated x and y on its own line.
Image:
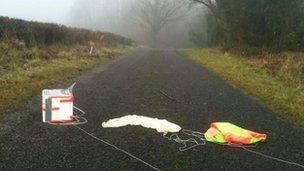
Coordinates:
293	41
40	34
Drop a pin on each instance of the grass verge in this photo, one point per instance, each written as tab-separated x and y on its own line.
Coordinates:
20	81
282	97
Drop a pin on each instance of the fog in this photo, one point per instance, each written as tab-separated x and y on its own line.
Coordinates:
125	17
121	16
38	10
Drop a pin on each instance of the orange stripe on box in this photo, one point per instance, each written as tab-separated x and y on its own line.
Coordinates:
71	99
53	109
66	99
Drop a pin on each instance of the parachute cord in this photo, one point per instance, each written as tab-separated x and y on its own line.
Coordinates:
246	148
78	118
201	137
202	141
117	148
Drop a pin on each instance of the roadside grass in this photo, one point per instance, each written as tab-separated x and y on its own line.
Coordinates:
21	78
125	49
283	92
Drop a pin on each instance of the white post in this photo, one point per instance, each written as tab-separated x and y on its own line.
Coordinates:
91	51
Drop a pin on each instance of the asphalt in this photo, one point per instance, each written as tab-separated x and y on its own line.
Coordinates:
132	84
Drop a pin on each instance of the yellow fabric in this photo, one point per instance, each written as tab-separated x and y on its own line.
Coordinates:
225	132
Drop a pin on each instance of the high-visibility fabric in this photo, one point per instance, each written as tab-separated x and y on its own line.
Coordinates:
224	132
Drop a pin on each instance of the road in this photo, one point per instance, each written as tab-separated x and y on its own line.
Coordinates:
132	85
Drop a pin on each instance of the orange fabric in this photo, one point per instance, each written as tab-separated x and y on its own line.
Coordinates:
231	138
212	131
257	135
235	134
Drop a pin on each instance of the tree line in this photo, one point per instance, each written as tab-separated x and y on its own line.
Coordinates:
271	24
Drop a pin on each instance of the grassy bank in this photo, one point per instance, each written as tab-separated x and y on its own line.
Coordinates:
26	71
275	80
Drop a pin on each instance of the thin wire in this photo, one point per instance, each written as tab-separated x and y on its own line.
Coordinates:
82	112
168	96
80	120
201	137
198	134
194	134
246	148
184	142
273	158
117	148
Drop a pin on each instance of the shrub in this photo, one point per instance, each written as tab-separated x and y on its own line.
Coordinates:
44	34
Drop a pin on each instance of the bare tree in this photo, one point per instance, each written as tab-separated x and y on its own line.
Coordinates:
96	14
212	6
154	15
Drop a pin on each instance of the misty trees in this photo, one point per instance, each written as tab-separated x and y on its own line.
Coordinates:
98	14
154	15
271	24
85	14
145	21
212	6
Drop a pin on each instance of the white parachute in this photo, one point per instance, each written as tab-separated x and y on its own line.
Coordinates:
161	125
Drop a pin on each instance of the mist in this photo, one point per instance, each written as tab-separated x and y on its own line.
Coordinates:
124	17
117	16
53	11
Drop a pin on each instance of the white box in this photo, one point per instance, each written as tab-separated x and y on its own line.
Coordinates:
57	105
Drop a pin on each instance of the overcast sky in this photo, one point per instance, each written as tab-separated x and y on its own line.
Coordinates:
37	10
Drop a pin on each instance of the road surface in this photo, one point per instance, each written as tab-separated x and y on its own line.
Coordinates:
132	85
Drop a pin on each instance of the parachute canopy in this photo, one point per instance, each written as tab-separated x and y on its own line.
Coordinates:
161	125
224	132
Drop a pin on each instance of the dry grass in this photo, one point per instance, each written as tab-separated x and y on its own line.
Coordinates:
274	79
288	66
26	71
